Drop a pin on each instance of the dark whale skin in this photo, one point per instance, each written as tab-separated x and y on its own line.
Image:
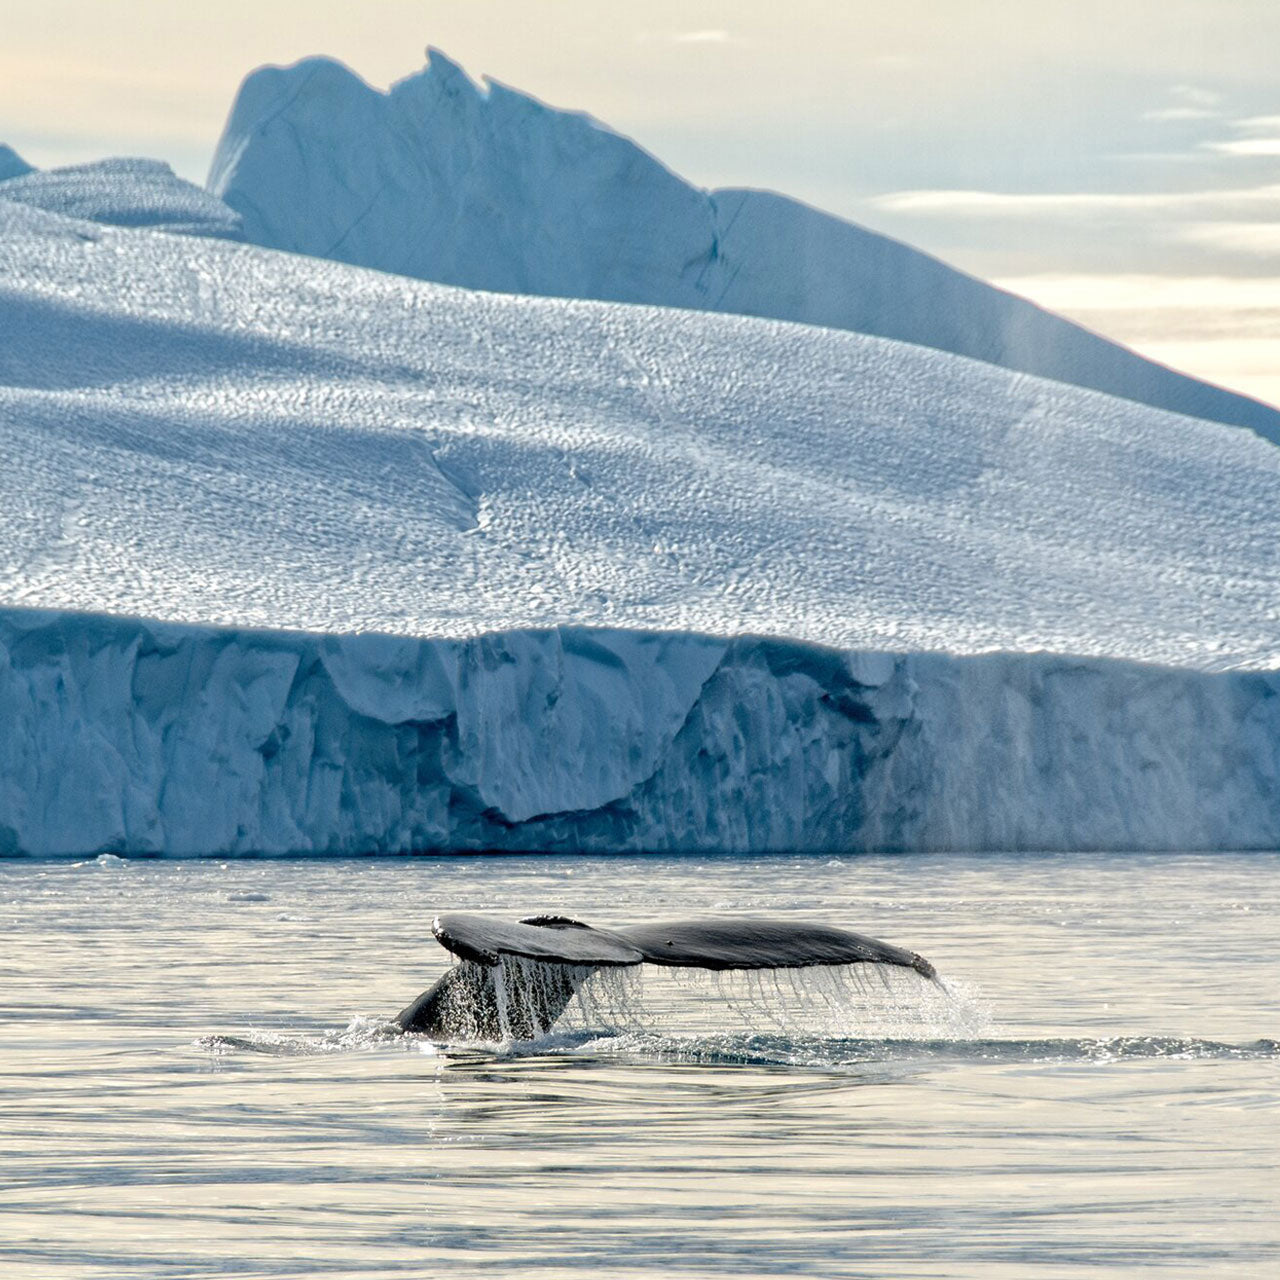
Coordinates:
757	942
467	1003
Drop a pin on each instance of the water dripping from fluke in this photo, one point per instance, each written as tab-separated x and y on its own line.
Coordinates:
520	982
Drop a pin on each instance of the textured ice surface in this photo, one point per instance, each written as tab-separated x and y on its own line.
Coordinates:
699	545
124	193
202	431
486	187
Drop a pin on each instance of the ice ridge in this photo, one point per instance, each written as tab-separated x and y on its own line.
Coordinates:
126	192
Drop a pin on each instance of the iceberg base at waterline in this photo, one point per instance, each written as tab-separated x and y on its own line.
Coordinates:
124	735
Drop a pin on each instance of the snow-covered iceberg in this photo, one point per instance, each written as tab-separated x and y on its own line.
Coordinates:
296	556
128	192
486	187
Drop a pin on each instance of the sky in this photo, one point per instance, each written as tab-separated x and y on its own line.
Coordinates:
1118	162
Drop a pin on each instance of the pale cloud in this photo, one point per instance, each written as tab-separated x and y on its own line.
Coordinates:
715	35
1251	239
1247	365
1194	95
1170	114
1000	204
997	204
1179	239
1261	137
1225	329
1191	102
1246	147
1072	291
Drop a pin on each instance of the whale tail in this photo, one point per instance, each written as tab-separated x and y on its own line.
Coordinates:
516	979
508	1000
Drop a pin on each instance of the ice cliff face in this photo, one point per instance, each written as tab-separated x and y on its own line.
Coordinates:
129	736
631	577
122	193
485	187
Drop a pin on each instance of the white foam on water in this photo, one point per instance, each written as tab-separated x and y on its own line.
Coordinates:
362	1032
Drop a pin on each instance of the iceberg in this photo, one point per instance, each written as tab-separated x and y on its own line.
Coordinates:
126	192
301	557
12	165
482	186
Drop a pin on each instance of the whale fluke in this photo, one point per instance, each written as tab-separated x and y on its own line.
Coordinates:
490	1002
552	939
484	998
753	942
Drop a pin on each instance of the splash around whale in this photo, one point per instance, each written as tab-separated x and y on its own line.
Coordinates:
516	979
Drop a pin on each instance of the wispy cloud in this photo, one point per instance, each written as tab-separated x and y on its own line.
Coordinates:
1259	136
1208	231
1249	239
1190	102
1246	147
1258	124
713	35
1074	291
1194	95
999	204
1223	328
1164	115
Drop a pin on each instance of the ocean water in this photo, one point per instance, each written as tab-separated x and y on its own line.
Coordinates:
197	1076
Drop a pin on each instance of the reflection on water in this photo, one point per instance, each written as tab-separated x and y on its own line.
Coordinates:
198	1075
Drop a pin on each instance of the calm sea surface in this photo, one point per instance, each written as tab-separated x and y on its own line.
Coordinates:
197	1078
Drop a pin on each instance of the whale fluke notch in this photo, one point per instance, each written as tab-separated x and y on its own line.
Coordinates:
486	999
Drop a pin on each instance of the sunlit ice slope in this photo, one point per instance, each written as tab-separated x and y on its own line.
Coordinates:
485	187
201	431
547	573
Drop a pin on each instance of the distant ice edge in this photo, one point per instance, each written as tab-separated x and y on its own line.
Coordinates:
124	735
